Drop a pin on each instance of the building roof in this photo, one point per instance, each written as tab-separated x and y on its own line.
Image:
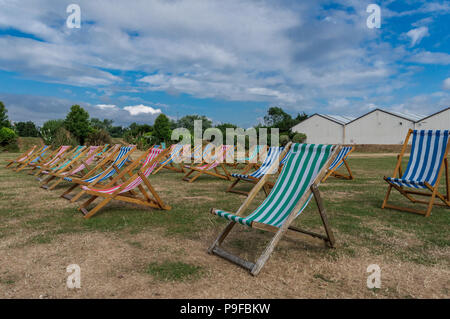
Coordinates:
344	120
338	118
443	110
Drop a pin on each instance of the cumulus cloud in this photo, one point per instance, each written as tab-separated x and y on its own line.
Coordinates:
417	35
446	84
106	106
301	55
141	109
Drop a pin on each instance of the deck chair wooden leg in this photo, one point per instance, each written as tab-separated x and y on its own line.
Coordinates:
65	195
430	205
92	212
77	196
233	185
447	179
350	175
52	187
268	251
221	237
323	215
386	198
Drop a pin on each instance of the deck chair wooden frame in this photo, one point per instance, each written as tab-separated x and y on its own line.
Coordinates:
262	169
312	191
109	167
78	165
50	160
431	191
38	157
172	158
340	160
210	167
251	154
126	191
65	162
22	158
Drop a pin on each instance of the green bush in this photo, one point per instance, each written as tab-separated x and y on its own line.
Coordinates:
98	137
64	137
8	140
49	129
299	138
284	139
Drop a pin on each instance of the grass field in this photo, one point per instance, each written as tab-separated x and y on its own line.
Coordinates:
126	251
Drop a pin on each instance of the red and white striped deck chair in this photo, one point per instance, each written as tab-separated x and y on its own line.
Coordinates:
22	158
73	169
53	160
211	165
127	191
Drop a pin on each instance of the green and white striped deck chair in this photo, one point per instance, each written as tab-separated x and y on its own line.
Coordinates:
297	184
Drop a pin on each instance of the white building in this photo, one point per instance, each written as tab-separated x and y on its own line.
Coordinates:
376	127
380	127
437	121
323	129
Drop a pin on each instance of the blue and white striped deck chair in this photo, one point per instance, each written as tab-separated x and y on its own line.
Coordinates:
170	158
33	159
341	159
273	154
120	160
427	161
296	185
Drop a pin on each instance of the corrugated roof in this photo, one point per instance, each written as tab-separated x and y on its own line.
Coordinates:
407	115
338	118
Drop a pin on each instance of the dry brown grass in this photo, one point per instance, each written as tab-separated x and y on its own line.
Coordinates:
42	234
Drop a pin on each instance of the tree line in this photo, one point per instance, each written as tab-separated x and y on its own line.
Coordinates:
79	128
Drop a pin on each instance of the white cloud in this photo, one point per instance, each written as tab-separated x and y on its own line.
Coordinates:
446	84
141	109
106	106
427	57
417	35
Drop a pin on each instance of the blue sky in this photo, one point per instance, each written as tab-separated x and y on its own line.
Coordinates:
228	60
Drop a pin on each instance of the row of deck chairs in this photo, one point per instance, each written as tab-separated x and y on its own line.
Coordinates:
301	167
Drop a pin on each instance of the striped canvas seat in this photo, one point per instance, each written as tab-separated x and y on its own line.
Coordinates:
90	158
427	152
137	181
216	160
77	153
174	153
37	159
211	163
119	160
57	157
272	155
338	162
26	156
303	163
253	155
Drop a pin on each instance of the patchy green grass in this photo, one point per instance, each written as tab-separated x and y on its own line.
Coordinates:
174	271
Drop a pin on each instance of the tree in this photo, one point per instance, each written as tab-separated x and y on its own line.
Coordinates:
161	128
4	121
26	129
188	122
77	122
277	117
49	129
